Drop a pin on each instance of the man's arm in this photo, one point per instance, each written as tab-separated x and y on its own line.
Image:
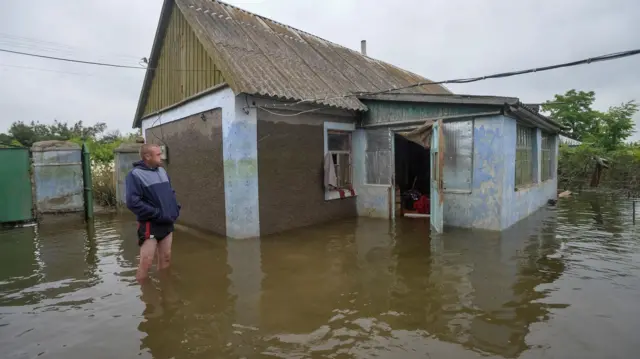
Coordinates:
134	199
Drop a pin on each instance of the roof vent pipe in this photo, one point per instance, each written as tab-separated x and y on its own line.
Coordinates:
363	47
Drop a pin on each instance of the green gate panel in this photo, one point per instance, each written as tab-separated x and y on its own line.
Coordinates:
16	199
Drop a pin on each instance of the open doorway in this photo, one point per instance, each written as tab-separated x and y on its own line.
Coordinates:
412	178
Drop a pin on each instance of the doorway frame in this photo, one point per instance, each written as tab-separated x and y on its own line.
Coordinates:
393	131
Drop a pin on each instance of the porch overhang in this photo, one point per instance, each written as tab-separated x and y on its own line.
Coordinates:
523	113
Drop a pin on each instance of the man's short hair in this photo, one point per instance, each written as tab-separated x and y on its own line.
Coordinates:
146	148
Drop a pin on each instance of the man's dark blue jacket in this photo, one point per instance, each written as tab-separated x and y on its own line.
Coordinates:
150	195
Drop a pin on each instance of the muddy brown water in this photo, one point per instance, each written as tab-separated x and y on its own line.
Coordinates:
564	283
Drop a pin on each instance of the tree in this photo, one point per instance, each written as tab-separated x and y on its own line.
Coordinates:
100	145
28	134
5	139
616	125
573	110
607	130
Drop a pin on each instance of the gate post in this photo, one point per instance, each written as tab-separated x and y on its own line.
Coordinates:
88	183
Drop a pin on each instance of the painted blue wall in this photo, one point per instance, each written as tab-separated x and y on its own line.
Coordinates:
240	151
482	208
519	204
494	203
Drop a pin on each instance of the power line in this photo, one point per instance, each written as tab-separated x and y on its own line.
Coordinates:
49	46
79	74
73	60
96	63
94	55
601	58
47	70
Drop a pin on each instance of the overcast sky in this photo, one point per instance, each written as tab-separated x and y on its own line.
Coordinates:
439	39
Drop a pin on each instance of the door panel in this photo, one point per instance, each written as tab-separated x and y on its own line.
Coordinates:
16	200
437	184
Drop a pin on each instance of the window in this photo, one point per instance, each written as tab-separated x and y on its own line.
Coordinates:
339	146
458	156
377	156
547	147
524	155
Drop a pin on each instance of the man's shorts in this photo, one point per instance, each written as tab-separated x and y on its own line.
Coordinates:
157	231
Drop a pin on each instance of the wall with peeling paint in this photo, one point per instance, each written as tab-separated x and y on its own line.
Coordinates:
239	152
494	203
520	203
482	208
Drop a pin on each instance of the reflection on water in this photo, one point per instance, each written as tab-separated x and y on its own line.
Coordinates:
563	283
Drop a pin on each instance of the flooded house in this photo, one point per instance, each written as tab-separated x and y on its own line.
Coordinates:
267	128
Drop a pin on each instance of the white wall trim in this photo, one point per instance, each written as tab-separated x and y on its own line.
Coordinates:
338	126
207	102
240	153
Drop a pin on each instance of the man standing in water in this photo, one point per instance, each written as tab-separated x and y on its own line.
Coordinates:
152	199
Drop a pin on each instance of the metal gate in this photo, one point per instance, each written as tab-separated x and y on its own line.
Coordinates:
16	200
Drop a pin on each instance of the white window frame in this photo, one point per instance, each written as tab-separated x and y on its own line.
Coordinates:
533	157
551	141
448	156
338	126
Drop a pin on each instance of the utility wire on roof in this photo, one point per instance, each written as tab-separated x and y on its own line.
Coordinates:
285	114
601	58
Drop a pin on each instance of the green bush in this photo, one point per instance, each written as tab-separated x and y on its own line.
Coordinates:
576	166
104	190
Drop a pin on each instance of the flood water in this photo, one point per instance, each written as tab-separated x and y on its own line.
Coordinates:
564	283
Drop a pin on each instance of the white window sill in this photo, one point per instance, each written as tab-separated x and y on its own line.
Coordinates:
457	191
335	194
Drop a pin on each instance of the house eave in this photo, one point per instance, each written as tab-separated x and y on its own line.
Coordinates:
522	112
186	100
442	99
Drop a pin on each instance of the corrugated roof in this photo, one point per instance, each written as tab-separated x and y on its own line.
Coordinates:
569	141
260	56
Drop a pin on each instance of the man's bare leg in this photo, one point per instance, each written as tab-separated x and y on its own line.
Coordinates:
164	252
147	252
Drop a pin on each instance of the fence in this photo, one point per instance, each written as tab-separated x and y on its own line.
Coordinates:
57	171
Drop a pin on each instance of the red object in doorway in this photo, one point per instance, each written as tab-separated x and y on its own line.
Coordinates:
422	205
342	194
